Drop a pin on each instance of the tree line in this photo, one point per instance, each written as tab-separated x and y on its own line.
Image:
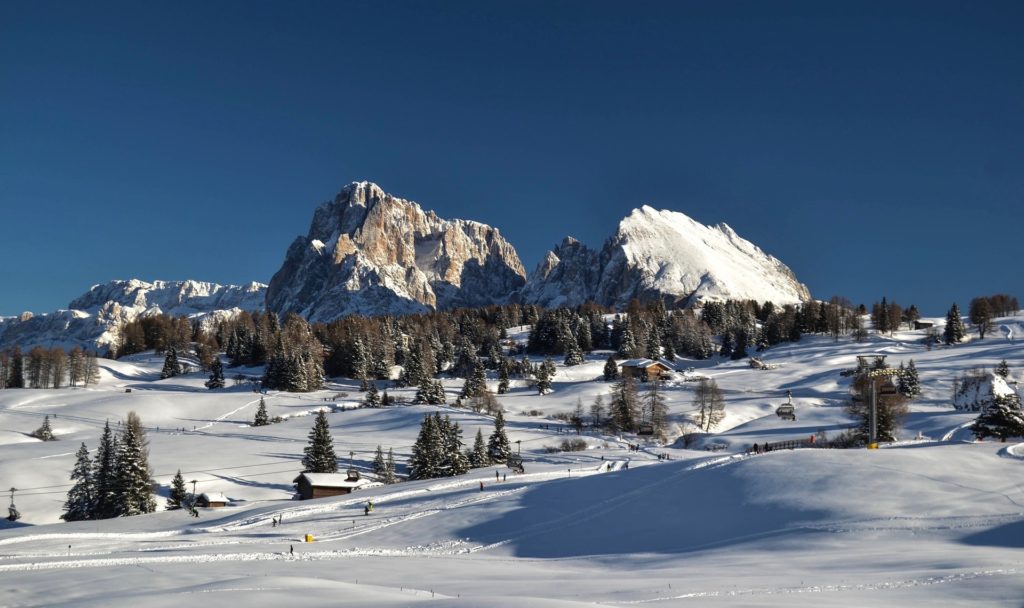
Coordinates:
48	368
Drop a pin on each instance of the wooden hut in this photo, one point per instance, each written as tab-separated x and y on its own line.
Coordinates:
644	370
320	485
212	499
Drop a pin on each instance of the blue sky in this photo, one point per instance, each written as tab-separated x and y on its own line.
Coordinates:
874	147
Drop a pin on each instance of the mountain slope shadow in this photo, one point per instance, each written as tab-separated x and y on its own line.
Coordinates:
1009	535
661	508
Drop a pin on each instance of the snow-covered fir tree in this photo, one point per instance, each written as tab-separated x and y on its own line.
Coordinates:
81	500
133	493
372	397
503	379
476	383
909	382
319	453
261	418
454	459
171	366
1002	420
955	330
216	375
611	369
178	496
425	460
105	475
389	468
498	447
44	432
1003	370
478	456
379	464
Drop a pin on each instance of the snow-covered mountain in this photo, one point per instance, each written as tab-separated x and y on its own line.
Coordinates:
368	252
93	319
662	255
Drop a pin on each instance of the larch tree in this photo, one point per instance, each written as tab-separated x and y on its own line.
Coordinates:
709	403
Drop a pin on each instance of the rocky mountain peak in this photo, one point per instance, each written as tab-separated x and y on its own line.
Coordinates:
368	252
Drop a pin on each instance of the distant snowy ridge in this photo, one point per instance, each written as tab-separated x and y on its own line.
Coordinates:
368	252
93	319
662	255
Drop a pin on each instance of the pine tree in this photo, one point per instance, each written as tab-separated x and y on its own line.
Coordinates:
319	454
478	456
498	447
890	409
955	330
133	494
611	369
216	374
456	461
909	382
576	418
573	353
104	475
503	380
389	468
178	496
372	398
44	432
82	496
379	464
261	418
1003	369
425	462
476	383
171	366
543	378
1003	419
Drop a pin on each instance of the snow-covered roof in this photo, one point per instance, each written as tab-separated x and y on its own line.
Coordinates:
641	363
332	480
214	497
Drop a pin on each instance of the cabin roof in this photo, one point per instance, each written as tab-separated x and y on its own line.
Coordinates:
214	497
332	480
644	363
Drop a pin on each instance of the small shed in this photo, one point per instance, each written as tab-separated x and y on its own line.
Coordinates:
644	370
212	499
320	485
923	324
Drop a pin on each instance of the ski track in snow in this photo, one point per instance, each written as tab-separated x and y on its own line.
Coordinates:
878	586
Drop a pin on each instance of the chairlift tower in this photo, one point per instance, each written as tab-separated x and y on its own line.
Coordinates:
873	377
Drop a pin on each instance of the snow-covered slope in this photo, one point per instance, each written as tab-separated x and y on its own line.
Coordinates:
663	255
368	252
935	521
93	319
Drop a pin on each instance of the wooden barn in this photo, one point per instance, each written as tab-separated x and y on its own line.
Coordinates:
923	324
644	370
320	485
212	499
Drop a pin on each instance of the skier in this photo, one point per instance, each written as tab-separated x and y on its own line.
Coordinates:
366	510
481	486
291	550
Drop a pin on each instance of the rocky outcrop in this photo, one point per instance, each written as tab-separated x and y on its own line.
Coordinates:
662	255
94	319
368	252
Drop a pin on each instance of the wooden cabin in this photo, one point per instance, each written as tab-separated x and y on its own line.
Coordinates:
644	370
212	499
923	324
320	485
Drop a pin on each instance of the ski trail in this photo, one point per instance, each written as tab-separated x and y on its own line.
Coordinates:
877	586
232	412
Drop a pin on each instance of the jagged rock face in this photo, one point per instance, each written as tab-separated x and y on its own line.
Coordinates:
668	256
568	276
94	319
368	252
